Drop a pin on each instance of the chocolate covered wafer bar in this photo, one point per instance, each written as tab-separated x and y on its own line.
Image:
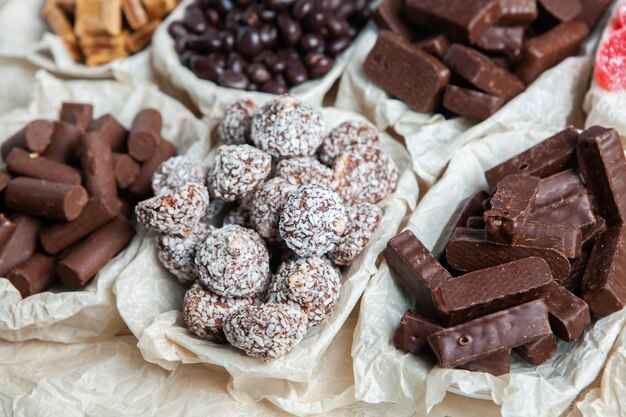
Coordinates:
435	45
539	351
33	275
471	103
564	239
507	40
20	162
145	135
569	315
21	244
518	12
35	137
496	364
390	16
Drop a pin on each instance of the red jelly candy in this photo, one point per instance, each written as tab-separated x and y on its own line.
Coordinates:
620	17
610	69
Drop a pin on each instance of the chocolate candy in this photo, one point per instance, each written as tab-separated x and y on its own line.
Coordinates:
64	143
475	222
412	333
143	183
7	227
434	45
569	315
603	166
85	259
35	137
516	12
34	275
97	165
554	154
4	180
112	130
78	114
390	16
604	282
548	49
471	103
496	364
481	72
506	40
21	244
592	11
125	170
20	162
495	333
416	268
46	199
145	135
564	239
562	10
406	72
491	289
539	351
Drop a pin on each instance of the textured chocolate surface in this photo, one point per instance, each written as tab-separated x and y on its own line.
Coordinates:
564	239
35	137
34	275
506	40
562	10
390	15
78	114
113	130
64	144
97	166
539	351
435	45
21	162
22	243
496	364
471	103
569	315
577	270
412	333
518	11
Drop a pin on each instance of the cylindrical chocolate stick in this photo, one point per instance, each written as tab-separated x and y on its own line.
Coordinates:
34	275
35	137
64	145
145	135
125	169
22	243
143	184
113	130
20	162
97	166
7	227
96	213
51	200
79	114
85	259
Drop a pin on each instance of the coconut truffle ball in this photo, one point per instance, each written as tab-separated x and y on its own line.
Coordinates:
363	219
346	136
364	175
285	127
205	312
237	171
177	253
215	207
266	331
266	205
176	211
233	262
304	170
176	172
312	220
312	283
234	129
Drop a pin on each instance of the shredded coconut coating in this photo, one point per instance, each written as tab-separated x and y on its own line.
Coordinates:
311	283
286	127
233	262
177	253
237	171
205	312
240	216
214	208
267	331
177	211
345	137
266	206
304	170
234	129
363	219
312	220
176	172
364	175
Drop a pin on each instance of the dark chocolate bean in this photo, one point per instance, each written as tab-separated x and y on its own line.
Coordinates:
302	8
206	68
258	73
289	29
318	64
248	42
312	42
337	46
296	72
195	20
233	79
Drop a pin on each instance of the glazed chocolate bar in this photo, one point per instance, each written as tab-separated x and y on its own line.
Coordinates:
435	45
471	103
390	16
496	364
562	10
507	40
564	239
539	351
142	186
518	12
569	315
97	165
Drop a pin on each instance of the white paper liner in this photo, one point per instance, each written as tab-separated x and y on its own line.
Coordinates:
89	313
16	79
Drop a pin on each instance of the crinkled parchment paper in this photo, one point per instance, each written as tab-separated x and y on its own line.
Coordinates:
89	313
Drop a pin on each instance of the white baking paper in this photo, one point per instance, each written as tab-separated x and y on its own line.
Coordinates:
16	79
89	313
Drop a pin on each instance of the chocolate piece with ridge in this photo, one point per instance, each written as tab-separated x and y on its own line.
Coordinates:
506	40
518	12
488	290
390	15
496	364
112	130
604	282
592	12
145	135
143	184
21	162
64	143
544	51
569	315
538	352
564	239
78	114
593	230
125	169
33	275
475	222
97	164
463	21
603	166
21	244
562	10
487	335
471	103
416	269
436	45
406	72
577	270
4	180
548	157
35	137
481	72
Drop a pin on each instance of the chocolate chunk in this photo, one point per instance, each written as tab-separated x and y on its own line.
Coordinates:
569	315
462	21
471	103
491	289
481	72
518	12
564	239
406	72
496	364
125	169
143	184
548	49
145	135
112	130
435	45
22	243
412	333
562	10
415	268
7	227
577	270
495	333
506	40
475	222
592	12
593	230
604	282
97	164
20	162
539	351
510	206
390	16
34	275
35	137
603	166
553	155
78	114
64	143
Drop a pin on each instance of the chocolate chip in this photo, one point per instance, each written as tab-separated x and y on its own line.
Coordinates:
248	41
232	79
337	46
312	42
318	65
296	72
289	29
206	68
195	20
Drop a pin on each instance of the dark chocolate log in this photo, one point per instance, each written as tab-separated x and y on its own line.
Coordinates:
64	144
604	282
51	200
35	137
7	227
20	162
553	155
390	16
145	135
412	333
143	184
406	72
488	290
471	103
469	251
564	239
416	268
569	315
481	72
85	259
592	12
506	40
496	364
113	130
510	207
97	164
539	351
22	243
603	166
78	114
125	169
518	12
435	45
562	10
548	49
475	222
34	275
495	333
4	180
462	21
96	213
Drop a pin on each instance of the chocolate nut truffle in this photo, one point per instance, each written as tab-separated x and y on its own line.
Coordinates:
176	172
177	253
234	129
346	136
363	219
